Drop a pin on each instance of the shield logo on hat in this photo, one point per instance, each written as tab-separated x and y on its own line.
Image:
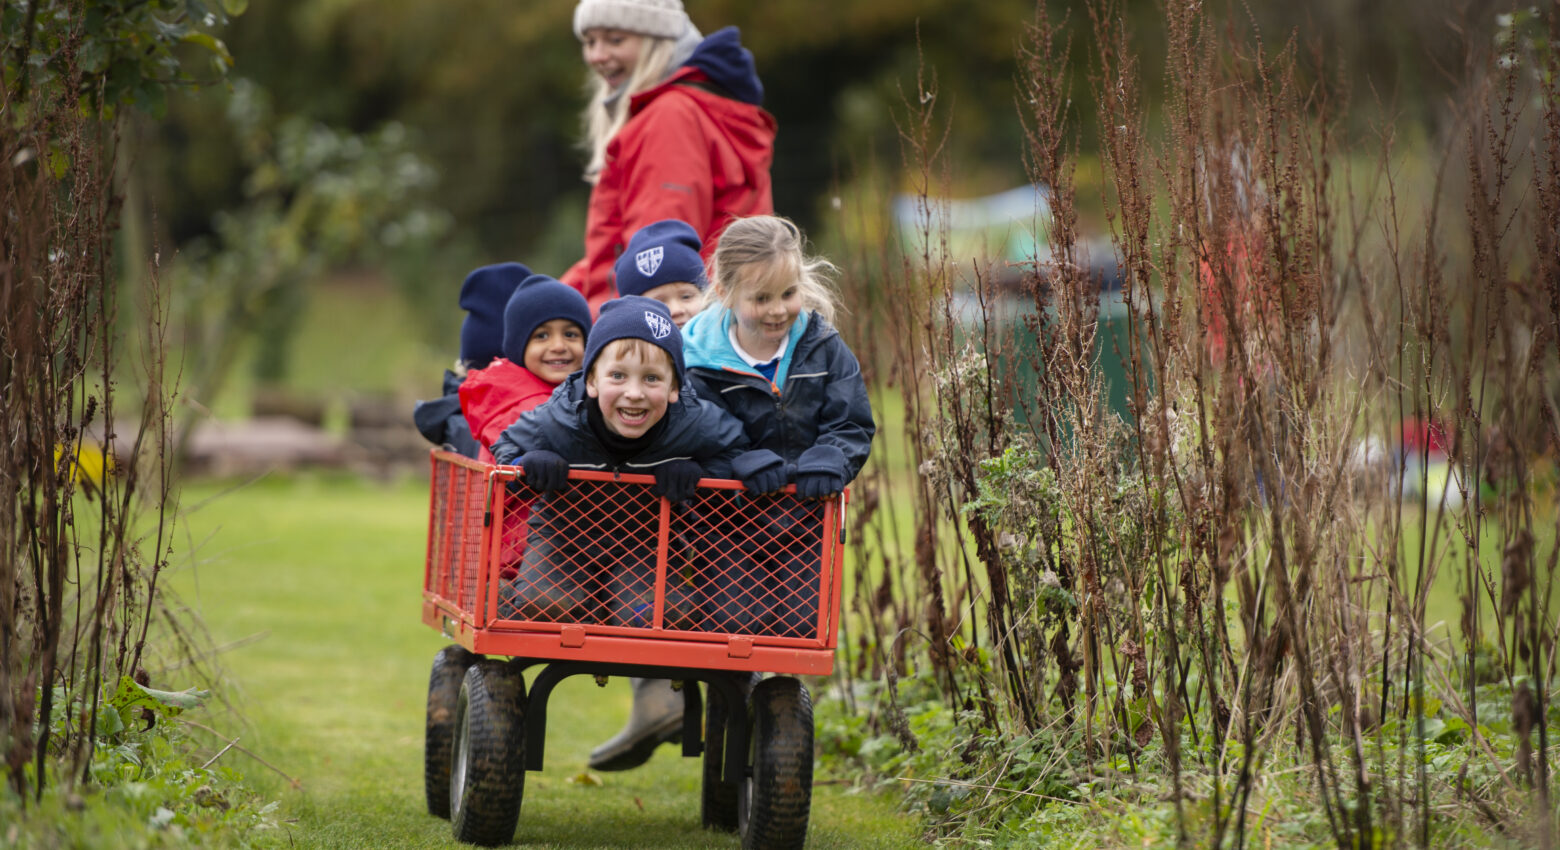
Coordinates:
648	260
660	326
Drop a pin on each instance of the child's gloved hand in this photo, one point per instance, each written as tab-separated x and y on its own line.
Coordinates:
820	472
545	471
760	470
677	479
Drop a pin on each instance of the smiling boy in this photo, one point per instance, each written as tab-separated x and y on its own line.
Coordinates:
628	410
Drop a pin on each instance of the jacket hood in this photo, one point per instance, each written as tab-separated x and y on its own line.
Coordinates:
729	65
707	343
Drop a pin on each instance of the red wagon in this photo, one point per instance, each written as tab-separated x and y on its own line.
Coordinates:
605	579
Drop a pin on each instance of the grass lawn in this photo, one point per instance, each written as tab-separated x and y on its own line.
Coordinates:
318	580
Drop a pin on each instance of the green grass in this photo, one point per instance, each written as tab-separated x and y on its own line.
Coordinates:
323	575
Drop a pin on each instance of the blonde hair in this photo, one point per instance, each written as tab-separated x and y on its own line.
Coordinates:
763	250
605	115
639	348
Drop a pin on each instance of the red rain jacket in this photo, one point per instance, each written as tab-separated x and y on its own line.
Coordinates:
685	152
493	399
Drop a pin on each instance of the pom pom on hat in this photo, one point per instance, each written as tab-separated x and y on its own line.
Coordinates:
483	296
636	317
658	18
537	300
660	253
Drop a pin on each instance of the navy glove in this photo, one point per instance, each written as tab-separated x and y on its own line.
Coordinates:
820	472
545	471
677	479
760	470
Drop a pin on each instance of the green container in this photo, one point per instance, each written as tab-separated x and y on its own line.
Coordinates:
1015	348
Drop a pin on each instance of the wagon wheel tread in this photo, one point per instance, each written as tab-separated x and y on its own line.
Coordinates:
449	669
717	799
781	785
493	696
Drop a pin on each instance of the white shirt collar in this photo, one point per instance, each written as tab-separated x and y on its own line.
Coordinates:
750	359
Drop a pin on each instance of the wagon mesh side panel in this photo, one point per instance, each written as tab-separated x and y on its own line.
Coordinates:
754	564
439	572
585	555
471	497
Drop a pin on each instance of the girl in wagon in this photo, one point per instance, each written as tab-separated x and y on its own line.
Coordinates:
768	352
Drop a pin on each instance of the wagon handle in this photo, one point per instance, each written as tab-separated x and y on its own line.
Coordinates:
487	510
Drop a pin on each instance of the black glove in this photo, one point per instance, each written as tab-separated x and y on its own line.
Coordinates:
677	479
820	472
545	471
760	470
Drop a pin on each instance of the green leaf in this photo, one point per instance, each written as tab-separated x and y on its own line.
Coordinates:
1453	731
110	723
211	43
235	8
57	159
94	56
151	99
169	703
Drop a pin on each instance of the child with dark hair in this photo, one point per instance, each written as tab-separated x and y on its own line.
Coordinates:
545	325
627	410
483	296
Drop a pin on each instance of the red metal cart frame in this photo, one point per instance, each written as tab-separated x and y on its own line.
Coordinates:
479	520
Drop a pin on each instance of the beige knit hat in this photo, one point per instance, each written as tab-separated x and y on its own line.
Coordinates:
659	18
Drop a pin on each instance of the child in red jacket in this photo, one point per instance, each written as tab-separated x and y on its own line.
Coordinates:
545	325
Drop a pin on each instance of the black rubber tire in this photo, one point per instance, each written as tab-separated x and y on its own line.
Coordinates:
717	799
449	668
487	775
777	797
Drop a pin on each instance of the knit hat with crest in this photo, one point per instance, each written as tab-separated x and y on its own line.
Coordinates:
660	253
658	18
636	317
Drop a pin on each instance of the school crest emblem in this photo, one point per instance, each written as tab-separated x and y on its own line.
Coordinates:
648	260
660	326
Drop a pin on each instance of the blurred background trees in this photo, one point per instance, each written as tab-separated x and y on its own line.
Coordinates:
490	92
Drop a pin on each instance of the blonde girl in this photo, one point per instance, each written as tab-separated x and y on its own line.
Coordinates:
768	352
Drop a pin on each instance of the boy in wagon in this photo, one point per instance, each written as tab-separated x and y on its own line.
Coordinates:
627	410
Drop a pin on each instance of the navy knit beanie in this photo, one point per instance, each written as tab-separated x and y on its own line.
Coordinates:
636	317
540	299
483	297
660	253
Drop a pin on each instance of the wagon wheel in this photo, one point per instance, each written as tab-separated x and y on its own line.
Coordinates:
717	798
775	799
487	777
449	668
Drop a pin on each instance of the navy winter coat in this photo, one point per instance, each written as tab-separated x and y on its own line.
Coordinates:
442	423
818	397
696	430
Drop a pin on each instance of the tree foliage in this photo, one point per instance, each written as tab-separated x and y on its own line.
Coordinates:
493	90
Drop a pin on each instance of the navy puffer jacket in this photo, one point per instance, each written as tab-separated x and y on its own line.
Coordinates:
441	420
696	430
818	397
